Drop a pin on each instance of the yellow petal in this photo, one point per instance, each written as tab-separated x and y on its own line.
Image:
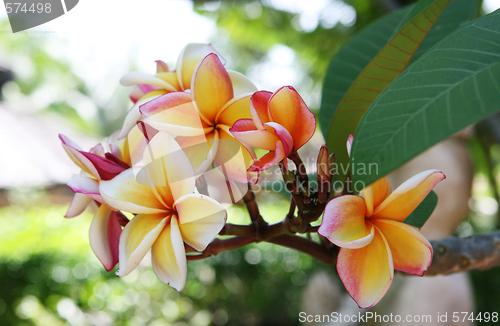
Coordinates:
344	222
402	201
169	167
287	108
135	77
170	78
169	256
367	272
201	218
211	87
411	251
233	159
189	58
375	194
137	238
123	192
234	110
175	113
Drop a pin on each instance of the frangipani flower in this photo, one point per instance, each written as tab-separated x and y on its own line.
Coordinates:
105	228
281	123
373	239
204	117
98	165
147	87
169	213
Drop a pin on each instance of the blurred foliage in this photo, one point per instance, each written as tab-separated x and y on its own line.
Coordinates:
45	83
49	276
255	26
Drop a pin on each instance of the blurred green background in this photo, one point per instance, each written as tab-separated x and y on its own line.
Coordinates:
48	273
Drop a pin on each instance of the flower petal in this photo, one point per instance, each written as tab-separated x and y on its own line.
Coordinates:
367	272
188	60
211	86
104	236
134	114
174	171
241	84
234	110
75	154
169	257
126	194
161	66
175	113
344	222
350	139
200	150
135	77
411	251
270	159
170	78
260	108
106	168
287	108
78	205
402	201
375	194
233	159
201	218
137	238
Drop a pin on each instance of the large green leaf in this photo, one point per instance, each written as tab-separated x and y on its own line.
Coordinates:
385	67
454	84
423	211
350	60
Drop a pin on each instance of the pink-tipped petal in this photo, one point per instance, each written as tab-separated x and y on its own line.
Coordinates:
344	222
169	257
175	113
104	236
125	193
270	159
287	108
259	108
350	139
161	66
137	238
136	93
411	251
188	60
106	168
78	205
367	272
201	218
211	86
375	194
75	154
402	201
241	84
135	78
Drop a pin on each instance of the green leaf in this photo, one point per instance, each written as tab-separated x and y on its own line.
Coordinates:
456	83
387	65
350	60
423	211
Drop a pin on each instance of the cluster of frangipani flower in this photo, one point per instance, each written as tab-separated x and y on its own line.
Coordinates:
186	151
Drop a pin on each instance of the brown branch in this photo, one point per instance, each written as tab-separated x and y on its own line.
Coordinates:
454	254
219	245
252	207
307	246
